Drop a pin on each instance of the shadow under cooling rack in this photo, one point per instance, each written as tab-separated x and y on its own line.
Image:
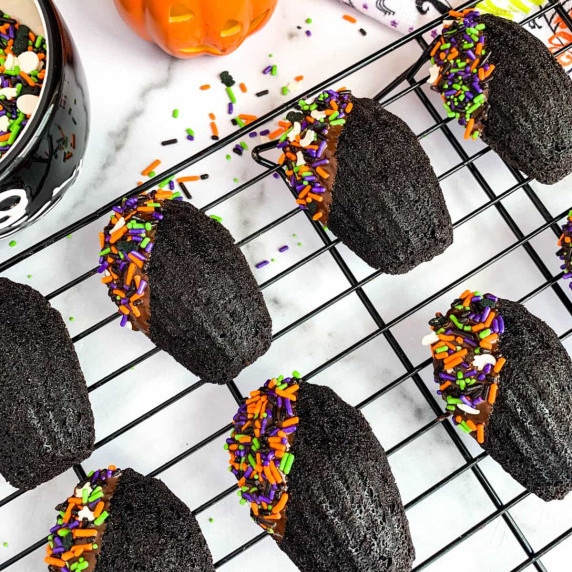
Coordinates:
407	85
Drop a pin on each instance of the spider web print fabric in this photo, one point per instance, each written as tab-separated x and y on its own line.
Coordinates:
405	16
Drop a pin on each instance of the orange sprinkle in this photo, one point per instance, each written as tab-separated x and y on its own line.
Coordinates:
499	365
299	78
318	216
54	561
205	87
276	133
99	509
242	88
322	173
188	179
212	116
84	532
291	421
151	167
349	18
481	433
493	393
281	504
471	425
214	129
469	130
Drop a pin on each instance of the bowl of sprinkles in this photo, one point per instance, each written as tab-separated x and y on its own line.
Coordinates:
43	111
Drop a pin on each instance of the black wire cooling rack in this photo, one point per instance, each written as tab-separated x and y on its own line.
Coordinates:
406	84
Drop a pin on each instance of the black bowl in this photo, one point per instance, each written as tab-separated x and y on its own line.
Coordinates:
46	159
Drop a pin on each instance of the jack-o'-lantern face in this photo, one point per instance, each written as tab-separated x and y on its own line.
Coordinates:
188	28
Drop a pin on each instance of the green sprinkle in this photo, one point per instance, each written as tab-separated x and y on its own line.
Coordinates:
211	519
190	132
102	518
289	464
231	95
274	70
308	20
71	318
12	243
175	113
29	275
217	218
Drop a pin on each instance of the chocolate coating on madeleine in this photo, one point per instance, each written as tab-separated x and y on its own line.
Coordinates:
387	204
206	308
530	98
344	511
529	431
46	422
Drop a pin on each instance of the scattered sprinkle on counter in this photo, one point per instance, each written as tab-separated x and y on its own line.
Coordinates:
12	243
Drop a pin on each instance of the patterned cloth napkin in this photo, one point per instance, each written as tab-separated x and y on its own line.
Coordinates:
407	15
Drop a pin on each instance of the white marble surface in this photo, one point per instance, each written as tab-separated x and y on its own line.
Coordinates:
134	88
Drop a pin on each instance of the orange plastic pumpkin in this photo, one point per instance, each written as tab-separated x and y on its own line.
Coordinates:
189	28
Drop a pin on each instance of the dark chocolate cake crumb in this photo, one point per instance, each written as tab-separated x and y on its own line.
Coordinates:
46	422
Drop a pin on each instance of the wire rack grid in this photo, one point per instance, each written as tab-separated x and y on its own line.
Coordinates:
522	240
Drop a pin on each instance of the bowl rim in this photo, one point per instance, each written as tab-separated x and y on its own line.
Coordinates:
47	103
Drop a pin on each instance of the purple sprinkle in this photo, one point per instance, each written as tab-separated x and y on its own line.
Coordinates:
263	264
284	249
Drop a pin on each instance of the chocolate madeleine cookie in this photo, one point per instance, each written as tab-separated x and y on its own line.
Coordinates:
316	478
503	83
505	377
361	171
178	276
121	521
46	423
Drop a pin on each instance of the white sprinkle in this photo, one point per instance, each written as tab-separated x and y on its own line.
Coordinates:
308	138
468	409
106	273
481	360
29	62
86	513
11	62
129	325
295	131
9	92
119	224
79	492
434	70
430	339
319	115
293	87
27	103
300	158
4	123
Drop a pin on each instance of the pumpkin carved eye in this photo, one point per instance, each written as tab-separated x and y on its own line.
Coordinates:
231	28
180	13
256	22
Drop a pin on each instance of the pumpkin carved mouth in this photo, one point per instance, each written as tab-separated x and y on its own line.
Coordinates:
202	49
180	13
231	28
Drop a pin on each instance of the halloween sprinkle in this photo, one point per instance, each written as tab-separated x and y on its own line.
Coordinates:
126	246
81	523
467	359
22	60
306	148
259	448
565	251
461	71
